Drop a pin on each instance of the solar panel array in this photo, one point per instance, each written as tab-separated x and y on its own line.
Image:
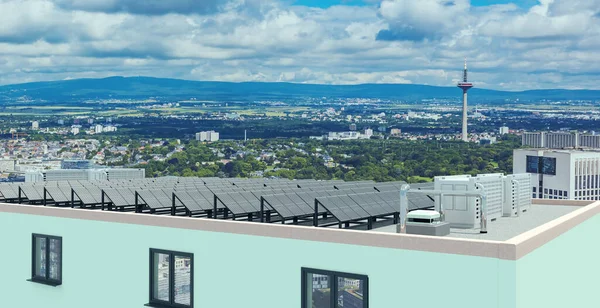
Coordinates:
288	199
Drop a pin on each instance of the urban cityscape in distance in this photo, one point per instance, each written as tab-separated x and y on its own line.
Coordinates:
313	154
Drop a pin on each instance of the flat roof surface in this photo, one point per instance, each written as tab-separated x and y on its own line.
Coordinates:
505	228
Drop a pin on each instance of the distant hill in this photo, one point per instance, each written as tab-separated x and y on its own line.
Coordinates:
144	87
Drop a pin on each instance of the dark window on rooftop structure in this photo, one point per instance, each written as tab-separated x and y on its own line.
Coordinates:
46	259
534	189
548	165
566	193
171	279
532	164
328	289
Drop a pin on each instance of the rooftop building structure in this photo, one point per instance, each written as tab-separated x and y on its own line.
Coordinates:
303	264
568	174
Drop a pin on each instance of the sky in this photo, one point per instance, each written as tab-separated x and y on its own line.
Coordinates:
510	45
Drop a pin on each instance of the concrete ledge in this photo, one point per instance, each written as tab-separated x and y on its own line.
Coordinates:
535	238
480	248
562	202
512	249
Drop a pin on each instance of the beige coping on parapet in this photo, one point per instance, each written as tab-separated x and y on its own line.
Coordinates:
531	240
508	250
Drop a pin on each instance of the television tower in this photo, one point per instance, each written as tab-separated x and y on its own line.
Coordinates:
465	86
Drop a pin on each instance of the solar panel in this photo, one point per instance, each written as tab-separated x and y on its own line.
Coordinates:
193	203
115	197
279	206
333	207
33	193
147	198
420	201
9	191
95	194
389	186
343	208
372	204
352	207
363	190
128	194
390	202
240	202
292	204
57	194
85	196
304	208
230	202
164	197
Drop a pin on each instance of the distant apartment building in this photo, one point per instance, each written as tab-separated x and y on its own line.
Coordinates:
504	130
560	174
352	127
395	132
84	174
75	129
343	135
589	141
368	133
90	121
210	136
75	164
8	165
535	140
560	140
109	128
35	125
98	129
61	122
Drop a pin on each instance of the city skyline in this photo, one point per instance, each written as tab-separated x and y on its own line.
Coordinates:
510	45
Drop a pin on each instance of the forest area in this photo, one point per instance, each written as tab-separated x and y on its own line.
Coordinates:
378	160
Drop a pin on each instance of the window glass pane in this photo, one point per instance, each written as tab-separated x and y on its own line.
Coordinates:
55	251
183	273
318	291
350	293
161	277
40	257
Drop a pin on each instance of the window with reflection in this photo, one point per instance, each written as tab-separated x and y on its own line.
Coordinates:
329	289
171	278
46	264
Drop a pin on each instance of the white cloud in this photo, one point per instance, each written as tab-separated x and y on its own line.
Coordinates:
399	41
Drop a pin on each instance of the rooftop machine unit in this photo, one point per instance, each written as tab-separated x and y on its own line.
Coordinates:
464	212
496	176
517	194
426	223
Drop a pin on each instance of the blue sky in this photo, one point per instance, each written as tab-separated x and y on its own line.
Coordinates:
509	45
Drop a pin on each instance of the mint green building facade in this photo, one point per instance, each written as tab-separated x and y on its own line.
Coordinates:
106	263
